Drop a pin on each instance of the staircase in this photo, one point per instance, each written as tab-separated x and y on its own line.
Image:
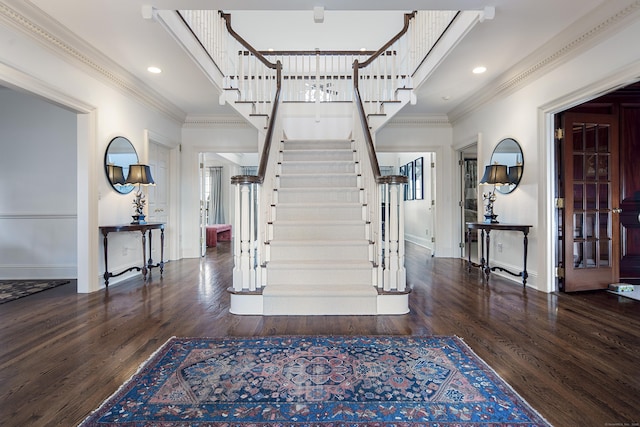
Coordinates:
319	253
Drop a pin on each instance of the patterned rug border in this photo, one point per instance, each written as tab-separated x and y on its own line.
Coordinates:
159	353
48	284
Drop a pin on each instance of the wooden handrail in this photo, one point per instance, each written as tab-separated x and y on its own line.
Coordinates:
243	42
365	127
358	100
317	52
266	148
405	28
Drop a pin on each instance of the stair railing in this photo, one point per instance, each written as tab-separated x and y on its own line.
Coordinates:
253	192
317	76
383	192
253	202
244	70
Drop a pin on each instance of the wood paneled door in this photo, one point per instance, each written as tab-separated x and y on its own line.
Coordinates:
630	193
599	179
591	201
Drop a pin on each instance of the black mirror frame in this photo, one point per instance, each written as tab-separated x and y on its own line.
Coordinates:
518	161
122	189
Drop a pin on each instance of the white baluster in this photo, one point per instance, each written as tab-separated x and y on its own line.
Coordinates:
318	90
245	237
402	273
382	191
252	237
237	242
241	82
393	239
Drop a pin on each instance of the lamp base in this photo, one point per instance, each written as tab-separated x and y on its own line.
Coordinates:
491	219
138	219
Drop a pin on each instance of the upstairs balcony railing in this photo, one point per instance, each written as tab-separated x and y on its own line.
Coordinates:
315	75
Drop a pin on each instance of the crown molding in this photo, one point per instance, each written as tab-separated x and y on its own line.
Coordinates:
208	122
419	121
49	33
573	41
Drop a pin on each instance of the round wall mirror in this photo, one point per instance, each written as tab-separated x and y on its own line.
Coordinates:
509	153
119	155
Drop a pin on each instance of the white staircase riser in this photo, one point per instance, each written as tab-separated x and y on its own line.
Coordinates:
316	155
319	195
317	167
302	274
326	180
314	305
290	212
295	251
313	144
309	231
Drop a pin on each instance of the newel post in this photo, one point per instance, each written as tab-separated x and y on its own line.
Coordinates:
245	232
394	274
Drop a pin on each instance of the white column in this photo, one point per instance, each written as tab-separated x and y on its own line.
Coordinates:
392	268
237	226
402	273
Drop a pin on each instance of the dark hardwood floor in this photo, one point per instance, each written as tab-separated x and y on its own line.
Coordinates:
573	357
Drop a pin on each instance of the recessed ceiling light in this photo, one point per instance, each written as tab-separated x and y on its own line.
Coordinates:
446	98
479	70
154	70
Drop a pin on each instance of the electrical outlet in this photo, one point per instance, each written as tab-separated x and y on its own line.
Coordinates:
427	232
499	247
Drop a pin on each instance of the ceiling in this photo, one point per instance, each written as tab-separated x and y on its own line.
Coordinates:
117	30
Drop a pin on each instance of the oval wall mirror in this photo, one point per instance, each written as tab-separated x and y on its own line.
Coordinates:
119	155
509	153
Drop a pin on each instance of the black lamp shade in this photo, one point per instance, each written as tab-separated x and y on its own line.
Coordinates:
515	173
115	174
139	174
496	175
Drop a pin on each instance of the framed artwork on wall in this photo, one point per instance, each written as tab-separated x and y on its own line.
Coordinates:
410	187
417	178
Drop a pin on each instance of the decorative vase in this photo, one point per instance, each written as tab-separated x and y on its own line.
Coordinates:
138	219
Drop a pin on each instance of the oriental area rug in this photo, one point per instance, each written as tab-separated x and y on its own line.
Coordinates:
319	381
13	289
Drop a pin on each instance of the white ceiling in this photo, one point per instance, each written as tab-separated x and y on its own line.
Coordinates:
117	30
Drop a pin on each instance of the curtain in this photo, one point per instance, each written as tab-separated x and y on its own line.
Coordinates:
215	204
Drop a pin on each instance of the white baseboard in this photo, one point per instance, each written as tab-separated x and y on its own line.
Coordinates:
420	241
25	272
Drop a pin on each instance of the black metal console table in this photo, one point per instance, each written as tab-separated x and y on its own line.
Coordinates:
142	228
485	241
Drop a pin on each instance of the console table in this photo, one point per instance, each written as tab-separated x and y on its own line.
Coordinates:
485	240
143	229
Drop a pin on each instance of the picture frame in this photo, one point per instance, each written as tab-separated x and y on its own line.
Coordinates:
418	178
410	187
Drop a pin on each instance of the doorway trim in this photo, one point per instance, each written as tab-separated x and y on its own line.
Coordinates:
459	147
174	201
546	153
87	257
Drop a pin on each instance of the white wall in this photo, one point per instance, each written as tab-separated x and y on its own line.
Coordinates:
525	116
104	110
37	189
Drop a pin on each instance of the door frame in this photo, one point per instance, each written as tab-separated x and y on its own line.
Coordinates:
548	235
172	235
